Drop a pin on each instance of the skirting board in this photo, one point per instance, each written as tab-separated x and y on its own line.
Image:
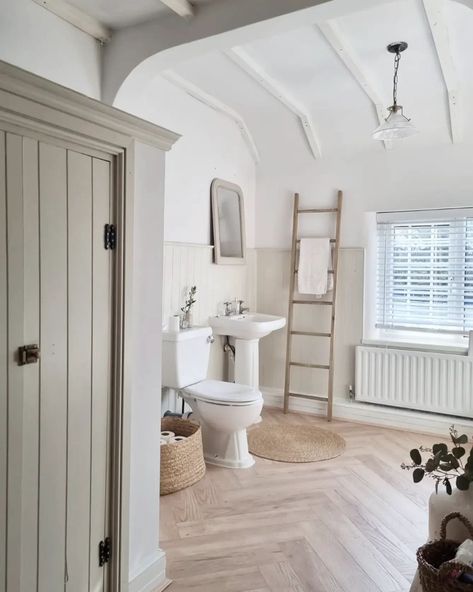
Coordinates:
152	579
371	414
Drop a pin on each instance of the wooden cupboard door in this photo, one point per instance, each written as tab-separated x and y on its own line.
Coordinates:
56	291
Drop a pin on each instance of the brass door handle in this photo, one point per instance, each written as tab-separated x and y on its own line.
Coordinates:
28	354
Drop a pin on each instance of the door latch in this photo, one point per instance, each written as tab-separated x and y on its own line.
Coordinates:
28	354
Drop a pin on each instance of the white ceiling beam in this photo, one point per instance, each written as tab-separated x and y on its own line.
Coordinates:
80	19
181	7
435	12
214	103
258	73
342	48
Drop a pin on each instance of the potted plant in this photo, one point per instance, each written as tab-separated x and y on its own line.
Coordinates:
450	466
186	317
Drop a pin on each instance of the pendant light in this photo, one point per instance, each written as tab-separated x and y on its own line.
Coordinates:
396	125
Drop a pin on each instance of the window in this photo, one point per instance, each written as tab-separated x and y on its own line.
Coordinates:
425	270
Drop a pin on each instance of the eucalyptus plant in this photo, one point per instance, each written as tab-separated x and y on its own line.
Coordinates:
190	300
445	464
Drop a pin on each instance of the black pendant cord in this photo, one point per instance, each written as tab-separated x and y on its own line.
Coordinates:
397	59
396	48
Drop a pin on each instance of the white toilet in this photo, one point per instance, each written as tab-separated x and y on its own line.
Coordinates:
224	409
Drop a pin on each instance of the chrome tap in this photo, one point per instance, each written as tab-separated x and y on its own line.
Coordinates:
228	309
235	307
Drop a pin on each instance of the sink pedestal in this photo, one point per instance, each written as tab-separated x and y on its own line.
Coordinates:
247	362
245	331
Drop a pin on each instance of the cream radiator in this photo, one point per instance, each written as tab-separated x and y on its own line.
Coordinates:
425	381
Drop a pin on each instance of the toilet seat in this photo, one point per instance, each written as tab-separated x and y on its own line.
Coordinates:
223	393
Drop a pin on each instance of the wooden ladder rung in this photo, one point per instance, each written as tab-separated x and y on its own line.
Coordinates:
313	397
318	211
316	302
329	271
332	240
302	365
311	333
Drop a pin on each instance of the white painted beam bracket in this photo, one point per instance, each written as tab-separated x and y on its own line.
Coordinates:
242	59
435	12
181	7
78	18
214	103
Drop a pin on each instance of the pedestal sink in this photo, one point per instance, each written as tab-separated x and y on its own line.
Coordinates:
246	330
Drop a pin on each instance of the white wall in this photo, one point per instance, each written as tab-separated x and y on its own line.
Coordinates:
403	178
34	39
211	146
144	552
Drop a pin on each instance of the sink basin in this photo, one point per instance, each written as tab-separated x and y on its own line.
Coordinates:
252	325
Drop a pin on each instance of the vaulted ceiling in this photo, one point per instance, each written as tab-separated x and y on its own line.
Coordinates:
323	87
319	85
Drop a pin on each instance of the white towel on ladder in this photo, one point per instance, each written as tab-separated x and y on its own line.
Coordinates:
314	263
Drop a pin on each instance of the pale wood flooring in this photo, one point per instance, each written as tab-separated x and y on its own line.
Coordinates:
348	524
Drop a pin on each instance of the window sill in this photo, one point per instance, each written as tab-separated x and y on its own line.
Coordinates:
421	343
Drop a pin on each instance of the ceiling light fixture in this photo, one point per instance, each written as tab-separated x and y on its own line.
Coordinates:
396	125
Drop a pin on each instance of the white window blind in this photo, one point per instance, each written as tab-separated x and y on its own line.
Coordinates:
425	270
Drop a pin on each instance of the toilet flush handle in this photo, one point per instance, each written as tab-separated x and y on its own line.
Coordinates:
210	339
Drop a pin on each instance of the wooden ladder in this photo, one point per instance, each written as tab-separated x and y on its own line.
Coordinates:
331	303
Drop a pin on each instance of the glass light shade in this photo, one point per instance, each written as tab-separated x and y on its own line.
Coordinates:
395	126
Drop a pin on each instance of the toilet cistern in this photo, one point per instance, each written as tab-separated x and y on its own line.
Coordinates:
246	329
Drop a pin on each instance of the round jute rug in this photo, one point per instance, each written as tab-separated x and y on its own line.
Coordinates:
294	443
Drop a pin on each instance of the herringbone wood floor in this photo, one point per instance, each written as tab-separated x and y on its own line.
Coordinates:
350	524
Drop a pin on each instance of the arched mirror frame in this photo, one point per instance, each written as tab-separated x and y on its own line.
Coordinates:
221	248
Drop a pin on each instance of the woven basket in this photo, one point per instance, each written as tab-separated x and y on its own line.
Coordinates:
437	570
182	463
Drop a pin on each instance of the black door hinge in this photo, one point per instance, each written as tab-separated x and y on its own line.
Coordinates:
110	236
105	551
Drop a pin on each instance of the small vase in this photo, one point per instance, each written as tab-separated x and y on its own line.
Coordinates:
441	504
186	320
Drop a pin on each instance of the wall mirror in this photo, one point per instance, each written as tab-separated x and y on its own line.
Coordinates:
228	222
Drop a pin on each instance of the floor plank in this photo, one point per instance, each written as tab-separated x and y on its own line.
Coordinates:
345	525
